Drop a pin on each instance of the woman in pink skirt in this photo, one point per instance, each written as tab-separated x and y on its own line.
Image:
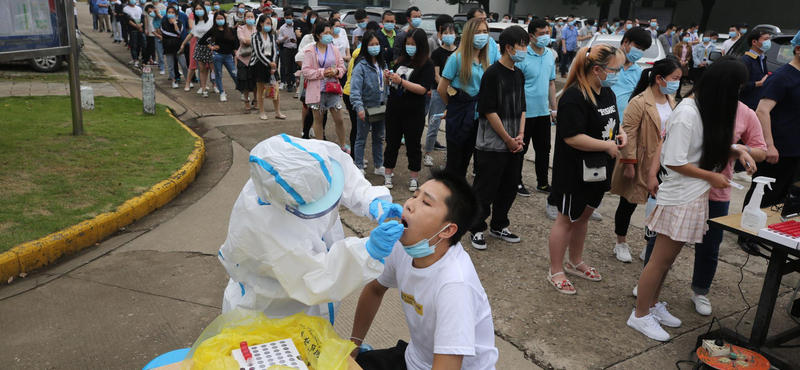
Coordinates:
696	147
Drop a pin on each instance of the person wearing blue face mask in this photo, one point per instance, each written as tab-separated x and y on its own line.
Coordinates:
644	125
170	31
733	36
539	69
569	44
633	44
410	81
700	55
245	72
368	92
362	18
756	61
236	16
155	36
501	130
588	136
458	88
437	280
387	36
414	16
151	18
586	32
225	43
668	39
447	33
653	28
263	63
135	30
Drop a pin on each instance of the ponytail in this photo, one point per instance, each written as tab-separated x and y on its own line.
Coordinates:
585	59
663	68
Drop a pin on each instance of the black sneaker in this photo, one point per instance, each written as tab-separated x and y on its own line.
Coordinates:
439	147
477	241
290	88
522	191
505	235
543	189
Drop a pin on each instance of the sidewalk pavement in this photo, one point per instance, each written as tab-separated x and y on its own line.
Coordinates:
157	284
33	88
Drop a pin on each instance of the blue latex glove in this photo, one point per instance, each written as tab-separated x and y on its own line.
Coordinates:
382	239
390	210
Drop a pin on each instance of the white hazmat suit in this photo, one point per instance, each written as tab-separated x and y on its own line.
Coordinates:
283	252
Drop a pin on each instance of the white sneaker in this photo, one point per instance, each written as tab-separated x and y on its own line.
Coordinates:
742	176
216	90
311	133
387	182
191	85
596	216
136	64
162	73
363	173
413	185
623	252
223	97
427	161
200	90
297	94
175	85
205	94
241	98
550	211
636	291
663	316
366	162
187	89
649	326
701	304
282	86
643	255
478	242
380	171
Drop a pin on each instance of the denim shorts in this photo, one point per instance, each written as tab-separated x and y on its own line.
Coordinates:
327	101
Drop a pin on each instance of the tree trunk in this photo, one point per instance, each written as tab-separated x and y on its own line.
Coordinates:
624	9
707	6
605	8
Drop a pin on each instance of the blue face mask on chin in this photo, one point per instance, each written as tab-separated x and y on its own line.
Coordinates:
423	248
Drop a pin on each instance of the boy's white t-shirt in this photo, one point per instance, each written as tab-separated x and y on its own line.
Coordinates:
683	145
446	309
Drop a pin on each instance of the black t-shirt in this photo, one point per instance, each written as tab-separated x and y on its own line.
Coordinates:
502	91
422	76
577	115
439	58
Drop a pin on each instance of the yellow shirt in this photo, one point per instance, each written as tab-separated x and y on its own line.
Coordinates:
346	89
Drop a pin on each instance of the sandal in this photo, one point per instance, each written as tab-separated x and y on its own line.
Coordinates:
591	274
280	116
562	284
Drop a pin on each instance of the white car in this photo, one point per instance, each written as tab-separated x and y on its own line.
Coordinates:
651	55
496	28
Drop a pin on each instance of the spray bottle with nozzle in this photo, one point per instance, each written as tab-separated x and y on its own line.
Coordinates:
753	218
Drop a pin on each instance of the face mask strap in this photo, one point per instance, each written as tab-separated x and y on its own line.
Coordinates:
437	233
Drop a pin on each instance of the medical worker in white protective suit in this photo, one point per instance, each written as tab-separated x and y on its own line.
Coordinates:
285	251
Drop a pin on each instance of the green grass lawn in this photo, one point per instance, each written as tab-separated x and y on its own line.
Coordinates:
227	7
52	179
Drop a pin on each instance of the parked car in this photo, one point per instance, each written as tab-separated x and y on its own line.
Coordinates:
53	63
496	28
654	53
429	24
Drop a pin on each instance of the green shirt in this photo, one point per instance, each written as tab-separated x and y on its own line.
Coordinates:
390	38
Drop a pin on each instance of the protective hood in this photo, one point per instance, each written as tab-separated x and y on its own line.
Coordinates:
296	173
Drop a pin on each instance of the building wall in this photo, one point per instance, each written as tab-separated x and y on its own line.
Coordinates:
727	12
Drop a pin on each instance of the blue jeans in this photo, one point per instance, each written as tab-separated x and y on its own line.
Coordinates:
377	142
227	61
428	102
437	106
160	54
706	254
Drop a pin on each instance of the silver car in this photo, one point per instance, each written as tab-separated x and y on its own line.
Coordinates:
651	55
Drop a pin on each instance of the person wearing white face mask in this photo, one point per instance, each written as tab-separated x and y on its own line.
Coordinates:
444	304
634	43
539	69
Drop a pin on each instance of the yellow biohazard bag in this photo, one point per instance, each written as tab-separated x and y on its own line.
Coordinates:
319	346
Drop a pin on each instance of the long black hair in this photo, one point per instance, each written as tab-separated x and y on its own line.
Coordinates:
421	56
716	94
663	68
204	18
364	54
225	32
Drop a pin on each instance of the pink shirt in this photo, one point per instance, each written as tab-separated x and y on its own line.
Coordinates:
748	130
244	33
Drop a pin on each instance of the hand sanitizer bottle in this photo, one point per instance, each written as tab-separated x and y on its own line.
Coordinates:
753	218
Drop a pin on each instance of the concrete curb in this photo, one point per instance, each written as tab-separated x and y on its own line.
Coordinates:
46	250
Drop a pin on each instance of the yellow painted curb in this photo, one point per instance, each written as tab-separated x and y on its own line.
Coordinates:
34	254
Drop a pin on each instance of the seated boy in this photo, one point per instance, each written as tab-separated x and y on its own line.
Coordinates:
445	306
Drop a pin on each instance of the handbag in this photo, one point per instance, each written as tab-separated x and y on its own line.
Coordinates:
246	51
333	87
271	92
375	114
594	168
